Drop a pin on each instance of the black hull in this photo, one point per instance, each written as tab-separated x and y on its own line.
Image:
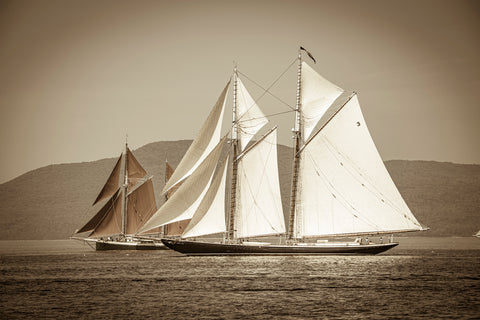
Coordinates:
194	248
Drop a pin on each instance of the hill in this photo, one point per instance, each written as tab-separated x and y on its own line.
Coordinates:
53	201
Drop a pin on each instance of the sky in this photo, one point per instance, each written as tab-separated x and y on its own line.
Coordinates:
78	76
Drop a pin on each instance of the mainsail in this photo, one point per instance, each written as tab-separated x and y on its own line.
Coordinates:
343	185
202	145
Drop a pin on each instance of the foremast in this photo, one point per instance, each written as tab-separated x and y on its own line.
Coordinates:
124	191
296	154
234	141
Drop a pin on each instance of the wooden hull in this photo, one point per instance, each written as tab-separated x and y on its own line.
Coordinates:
194	248
101	245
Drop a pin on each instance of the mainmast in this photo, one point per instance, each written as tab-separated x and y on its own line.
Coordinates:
231	226
124	191
296	155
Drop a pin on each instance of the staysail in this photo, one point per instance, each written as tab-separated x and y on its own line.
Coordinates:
185	201
141	206
173	229
210	215
202	145
259	206
344	187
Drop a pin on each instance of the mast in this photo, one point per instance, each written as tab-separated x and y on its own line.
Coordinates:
233	194
164	229
296	155
124	191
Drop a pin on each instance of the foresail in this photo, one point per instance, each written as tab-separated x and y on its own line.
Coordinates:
250	117
112	184
140	206
169	172
202	145
175	228
210	215
111	222
317	95
100	215
344	187
259	206
185	201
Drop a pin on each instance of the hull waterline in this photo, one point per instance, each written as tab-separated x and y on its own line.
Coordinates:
194	248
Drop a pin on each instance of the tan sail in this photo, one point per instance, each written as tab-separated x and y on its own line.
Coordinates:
140	206
138	196
134	169
111	224
97	219
112	184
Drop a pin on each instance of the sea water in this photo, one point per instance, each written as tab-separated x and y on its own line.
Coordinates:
422	278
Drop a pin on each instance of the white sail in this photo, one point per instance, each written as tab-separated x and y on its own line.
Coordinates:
250	117
344	187
317	95
202	145
185	201
259	206
210	215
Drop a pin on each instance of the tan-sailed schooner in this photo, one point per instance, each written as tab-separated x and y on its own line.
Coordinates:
340	191
128	202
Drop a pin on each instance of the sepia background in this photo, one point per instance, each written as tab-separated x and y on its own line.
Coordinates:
77	76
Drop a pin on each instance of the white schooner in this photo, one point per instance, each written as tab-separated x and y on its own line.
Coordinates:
340	186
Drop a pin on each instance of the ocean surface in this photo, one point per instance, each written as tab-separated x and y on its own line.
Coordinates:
422	278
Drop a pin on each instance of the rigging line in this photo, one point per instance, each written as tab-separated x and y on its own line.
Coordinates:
273	83
347	205
371	187
267	116
265	91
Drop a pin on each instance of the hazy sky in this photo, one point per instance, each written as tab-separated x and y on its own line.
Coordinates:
76	76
